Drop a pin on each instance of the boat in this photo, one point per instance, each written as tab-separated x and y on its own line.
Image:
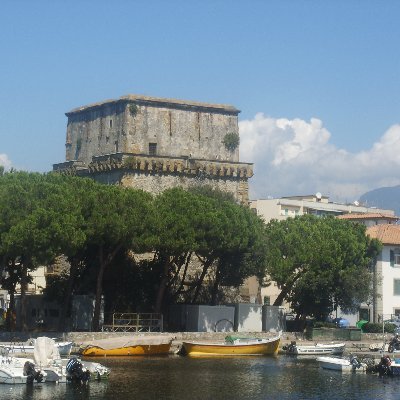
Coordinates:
233	346
16	370
127	346
316	349
29	347
47	358
351	364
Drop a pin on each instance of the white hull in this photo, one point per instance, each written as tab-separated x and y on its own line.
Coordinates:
339	364
11	376
320	349
63	347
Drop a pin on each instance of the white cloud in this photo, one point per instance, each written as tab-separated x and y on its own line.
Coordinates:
5	161
295	157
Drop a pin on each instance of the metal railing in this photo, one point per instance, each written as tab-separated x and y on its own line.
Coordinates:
135	322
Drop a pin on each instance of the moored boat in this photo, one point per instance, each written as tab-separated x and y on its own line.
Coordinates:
233	346
127	346
14	370
351	364
29	347
317	349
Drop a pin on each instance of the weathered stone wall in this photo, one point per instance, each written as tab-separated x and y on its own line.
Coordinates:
157	183
177	129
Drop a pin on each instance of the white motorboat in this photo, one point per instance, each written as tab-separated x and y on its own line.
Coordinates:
14	370
316	349
351	364
29	347
47	357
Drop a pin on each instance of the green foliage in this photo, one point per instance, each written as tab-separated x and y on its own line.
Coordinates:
130	162
321	324
133	109
231	141
320	263
377	328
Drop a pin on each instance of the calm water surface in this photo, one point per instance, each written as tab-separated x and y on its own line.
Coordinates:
235	378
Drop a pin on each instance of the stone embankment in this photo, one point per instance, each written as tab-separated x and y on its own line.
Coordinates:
362	347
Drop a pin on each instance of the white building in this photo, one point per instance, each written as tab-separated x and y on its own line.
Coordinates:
319	205
386	299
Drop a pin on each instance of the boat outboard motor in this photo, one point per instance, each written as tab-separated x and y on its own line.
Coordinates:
75	371
31	373
355	362
383	368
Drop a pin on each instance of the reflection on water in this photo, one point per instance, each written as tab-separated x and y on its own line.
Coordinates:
234	378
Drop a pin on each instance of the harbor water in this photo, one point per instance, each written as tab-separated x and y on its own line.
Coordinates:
233	378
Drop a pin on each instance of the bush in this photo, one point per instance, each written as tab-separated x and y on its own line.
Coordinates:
377	328
321	324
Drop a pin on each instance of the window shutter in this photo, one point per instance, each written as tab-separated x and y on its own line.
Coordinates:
391	258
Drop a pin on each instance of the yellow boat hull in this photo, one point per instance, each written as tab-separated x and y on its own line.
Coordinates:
224	349
140	350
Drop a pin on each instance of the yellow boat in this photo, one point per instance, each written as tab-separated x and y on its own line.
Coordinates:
127	346
233	346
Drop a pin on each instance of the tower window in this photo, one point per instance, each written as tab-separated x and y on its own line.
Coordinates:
153	149
110	123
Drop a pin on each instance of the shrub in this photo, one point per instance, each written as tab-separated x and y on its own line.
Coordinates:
231	141
377	328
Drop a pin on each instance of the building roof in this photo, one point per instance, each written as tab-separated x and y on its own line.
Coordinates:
158	101
355	216
386	233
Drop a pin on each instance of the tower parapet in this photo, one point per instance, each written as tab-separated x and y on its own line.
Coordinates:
154	143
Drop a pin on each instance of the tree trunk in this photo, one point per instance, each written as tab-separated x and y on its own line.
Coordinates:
215	287
24	283
286	289
103	263
179	290
201	279
10	318
99	290
163	286
68	295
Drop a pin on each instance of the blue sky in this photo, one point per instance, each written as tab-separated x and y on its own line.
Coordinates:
318	82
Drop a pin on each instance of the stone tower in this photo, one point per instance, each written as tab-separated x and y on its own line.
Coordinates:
154	144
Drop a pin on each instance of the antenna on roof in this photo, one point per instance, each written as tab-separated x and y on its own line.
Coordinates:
356	203
318	195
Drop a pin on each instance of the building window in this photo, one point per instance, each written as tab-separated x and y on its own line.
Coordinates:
396	287
110	123
395	258
364	314
153	149
267	301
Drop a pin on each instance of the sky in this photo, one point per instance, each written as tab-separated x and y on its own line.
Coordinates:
317	82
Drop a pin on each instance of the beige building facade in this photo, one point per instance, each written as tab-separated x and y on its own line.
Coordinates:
289	207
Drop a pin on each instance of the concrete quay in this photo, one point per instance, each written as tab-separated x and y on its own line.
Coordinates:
361	348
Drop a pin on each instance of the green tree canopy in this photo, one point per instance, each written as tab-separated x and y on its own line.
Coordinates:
319	263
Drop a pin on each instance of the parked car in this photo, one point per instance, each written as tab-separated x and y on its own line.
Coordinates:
341	322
